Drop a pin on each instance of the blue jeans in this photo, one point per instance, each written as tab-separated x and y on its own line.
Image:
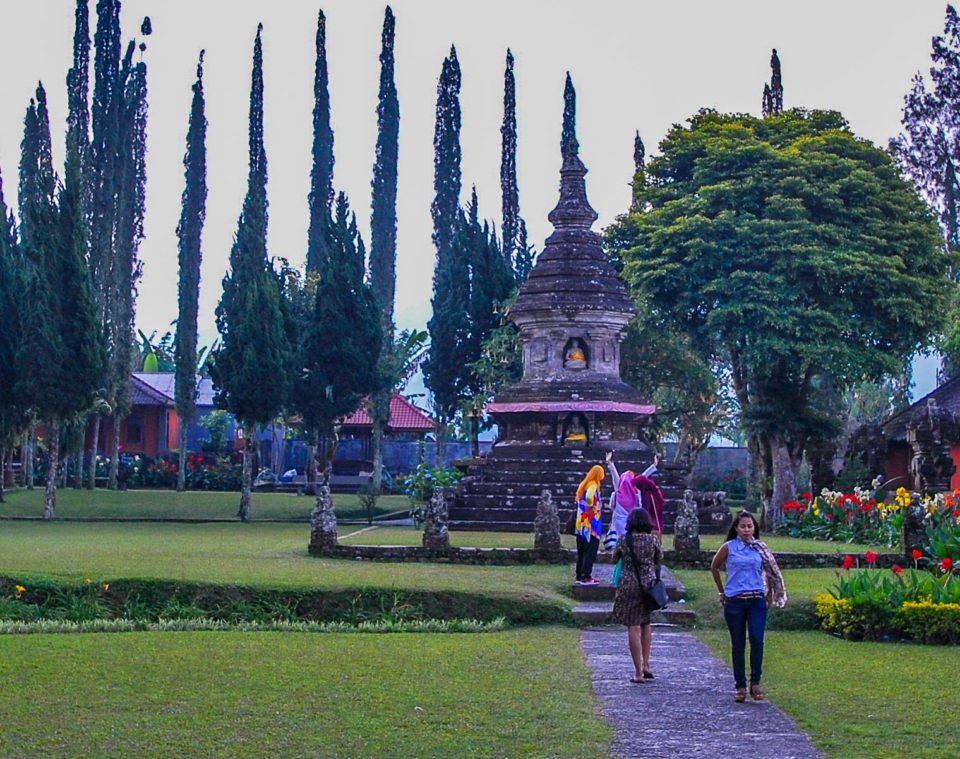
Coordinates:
746	617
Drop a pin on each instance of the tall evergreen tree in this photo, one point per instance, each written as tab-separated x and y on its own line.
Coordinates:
773	92
249	371
321	173
12	418
383	238
523	260
343	338
189	232
60	357
449	326
509	192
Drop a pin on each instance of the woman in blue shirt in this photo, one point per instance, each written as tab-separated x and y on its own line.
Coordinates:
753	581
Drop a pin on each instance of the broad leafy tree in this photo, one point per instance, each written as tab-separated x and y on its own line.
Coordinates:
249	372
785	248
189	232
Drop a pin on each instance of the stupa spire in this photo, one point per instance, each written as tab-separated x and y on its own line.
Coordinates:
574	210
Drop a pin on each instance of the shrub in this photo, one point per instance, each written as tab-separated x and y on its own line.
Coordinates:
930	622
419	485
863	620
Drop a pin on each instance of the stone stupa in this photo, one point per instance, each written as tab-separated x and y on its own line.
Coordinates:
570	407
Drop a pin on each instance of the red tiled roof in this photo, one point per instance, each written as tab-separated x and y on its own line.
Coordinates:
404	417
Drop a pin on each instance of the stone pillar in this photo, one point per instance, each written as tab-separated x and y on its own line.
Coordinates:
323	521
914	533
686	529
546	525
435	534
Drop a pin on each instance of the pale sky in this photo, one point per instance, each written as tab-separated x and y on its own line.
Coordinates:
635	65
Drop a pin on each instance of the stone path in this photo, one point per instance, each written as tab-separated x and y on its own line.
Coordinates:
688	710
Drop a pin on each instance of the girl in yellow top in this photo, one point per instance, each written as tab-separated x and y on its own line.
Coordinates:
589	524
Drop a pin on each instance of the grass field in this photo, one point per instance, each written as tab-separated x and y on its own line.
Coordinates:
511	694
857	699
408	536
168	504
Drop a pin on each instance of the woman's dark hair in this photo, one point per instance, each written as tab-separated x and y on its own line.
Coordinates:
743	514
639	521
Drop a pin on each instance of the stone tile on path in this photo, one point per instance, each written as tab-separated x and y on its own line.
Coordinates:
688	710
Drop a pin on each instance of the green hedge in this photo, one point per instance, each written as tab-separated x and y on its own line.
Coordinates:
158	600
923	621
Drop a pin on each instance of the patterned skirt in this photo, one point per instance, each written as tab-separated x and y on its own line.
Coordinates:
628	603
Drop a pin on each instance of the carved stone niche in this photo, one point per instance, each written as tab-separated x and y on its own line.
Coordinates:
576	354
575	431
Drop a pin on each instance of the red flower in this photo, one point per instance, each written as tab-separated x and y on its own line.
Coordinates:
807	496
896	569
916	554
871	557
848	562
955	513
946	565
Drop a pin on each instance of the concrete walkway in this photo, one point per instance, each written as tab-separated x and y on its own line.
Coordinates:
688	710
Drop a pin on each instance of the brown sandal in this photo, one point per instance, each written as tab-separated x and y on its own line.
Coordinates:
740	695
756	692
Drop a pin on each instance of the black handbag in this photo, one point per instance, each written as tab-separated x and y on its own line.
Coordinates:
654	597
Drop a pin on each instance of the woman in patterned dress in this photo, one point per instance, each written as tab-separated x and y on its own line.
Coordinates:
641	555
588	524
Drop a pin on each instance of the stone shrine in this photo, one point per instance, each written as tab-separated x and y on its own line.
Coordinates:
571	406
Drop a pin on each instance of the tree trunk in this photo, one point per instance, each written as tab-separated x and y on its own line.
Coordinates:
311	487
53	448
29	454
182	457
3	471
377	480
475	436
786	466
330	453
441	450
78	470
114	454
247	482
92	466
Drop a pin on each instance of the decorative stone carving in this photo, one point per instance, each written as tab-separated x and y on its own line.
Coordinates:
323	521
712	509
686	528
930	432
546	525
435	533
914	532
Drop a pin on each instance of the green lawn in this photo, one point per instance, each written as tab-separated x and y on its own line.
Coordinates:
800	545
408	536
515	693
857	699
267	554
168	504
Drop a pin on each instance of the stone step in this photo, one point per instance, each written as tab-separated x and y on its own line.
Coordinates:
606	592
598	613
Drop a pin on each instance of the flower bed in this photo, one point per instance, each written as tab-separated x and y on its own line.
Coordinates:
876	604
866	516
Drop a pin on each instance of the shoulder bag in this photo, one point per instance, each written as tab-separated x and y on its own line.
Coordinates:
654	597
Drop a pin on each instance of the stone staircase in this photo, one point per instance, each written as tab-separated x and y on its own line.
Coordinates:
595	602
501	490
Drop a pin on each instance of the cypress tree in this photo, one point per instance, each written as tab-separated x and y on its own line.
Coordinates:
189	233
383	237
343	338
12	417
449	326
60	358
524	256
321	173
249	369
773	92
130	206
509	192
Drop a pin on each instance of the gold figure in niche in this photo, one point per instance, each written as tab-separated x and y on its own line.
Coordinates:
575	357
576	434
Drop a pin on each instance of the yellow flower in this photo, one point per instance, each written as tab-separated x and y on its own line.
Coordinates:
86	580
19	590
816	512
